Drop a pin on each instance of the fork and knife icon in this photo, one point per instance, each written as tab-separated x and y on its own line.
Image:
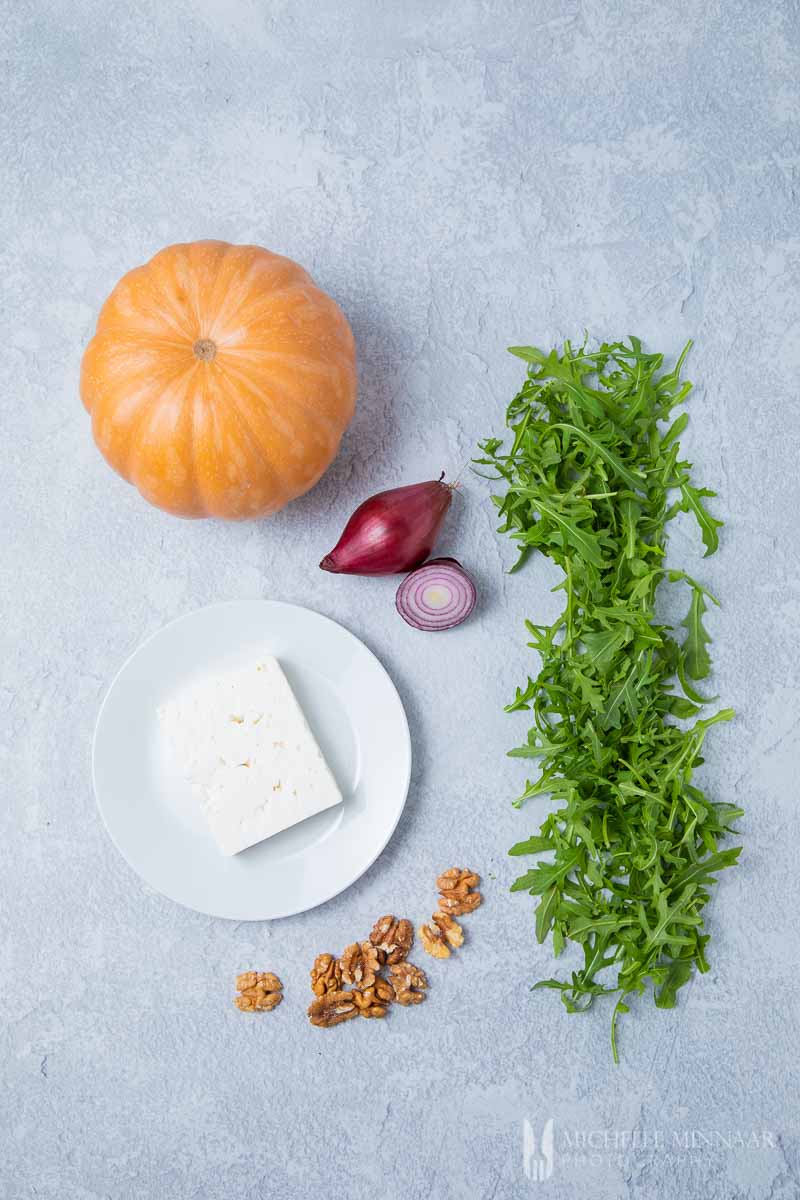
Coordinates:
538	1159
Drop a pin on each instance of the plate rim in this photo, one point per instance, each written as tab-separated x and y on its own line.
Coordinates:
286	604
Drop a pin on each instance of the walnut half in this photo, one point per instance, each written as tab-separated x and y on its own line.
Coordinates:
374	1001
359	964
260	991
456	887
457	878
326	975
443	933
405	978
392	938
333	1008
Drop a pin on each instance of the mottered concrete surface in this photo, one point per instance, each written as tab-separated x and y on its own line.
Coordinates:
461	177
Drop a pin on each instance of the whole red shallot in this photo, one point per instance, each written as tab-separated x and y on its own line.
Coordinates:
391	532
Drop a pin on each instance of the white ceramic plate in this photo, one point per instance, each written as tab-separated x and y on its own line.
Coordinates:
357	718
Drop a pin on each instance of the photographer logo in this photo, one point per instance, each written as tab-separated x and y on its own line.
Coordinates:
537	1155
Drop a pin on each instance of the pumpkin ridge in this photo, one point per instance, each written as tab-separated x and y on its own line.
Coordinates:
306	316
194	400
293	359
128	335
104	410
205	399
151	299
194	299
268	403
168	382
262	453
219	290
257	388
110	323
106	348
244	278
125	467
260	308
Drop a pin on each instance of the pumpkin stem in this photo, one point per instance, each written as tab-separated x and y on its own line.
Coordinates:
205	349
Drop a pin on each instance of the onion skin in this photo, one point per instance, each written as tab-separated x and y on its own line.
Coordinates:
391	532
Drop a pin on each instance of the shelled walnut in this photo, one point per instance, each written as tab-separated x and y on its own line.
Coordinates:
374	1001
457	880
260	991
326	975
359	964
392	938
333	1008
457	895
441	935
405	978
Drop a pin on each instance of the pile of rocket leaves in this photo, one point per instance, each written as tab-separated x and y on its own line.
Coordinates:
592	478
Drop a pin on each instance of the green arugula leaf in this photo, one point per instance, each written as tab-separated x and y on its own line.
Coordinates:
696	657
540	878
533	845
633	479
602	646
691	692
693	503
607	923
702	872
678	973
580	539
523	697
674	431
545	913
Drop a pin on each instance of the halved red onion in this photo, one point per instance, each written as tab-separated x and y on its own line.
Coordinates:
436	596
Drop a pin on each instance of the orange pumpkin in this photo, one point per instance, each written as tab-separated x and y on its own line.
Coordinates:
220	380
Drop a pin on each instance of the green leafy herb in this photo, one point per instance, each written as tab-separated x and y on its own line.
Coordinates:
634	843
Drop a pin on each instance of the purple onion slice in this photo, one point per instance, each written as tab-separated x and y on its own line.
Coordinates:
438	595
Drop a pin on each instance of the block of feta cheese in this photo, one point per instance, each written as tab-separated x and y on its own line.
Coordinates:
243	743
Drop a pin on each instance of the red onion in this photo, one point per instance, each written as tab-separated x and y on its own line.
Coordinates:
391	532
436	596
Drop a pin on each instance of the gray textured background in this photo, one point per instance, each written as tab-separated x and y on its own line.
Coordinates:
461	176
